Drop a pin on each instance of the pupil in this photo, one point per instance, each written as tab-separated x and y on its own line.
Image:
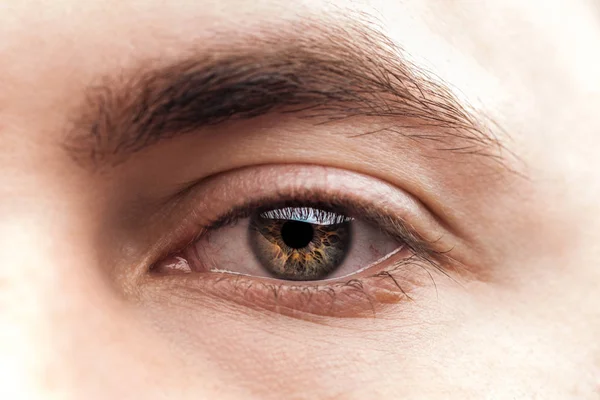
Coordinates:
297	234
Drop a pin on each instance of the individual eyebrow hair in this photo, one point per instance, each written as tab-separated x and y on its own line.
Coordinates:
325	71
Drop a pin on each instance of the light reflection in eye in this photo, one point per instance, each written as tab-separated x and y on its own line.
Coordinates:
306	214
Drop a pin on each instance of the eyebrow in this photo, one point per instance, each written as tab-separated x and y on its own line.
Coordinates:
327	72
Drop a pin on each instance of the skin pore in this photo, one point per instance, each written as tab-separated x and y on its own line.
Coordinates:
134	133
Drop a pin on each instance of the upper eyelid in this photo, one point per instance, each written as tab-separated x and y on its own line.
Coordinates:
425	239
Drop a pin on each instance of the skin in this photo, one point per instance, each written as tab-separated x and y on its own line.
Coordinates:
75	321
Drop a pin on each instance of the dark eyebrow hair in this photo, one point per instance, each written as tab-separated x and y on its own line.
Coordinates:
324	71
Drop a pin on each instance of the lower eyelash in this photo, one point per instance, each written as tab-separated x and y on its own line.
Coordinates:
360	297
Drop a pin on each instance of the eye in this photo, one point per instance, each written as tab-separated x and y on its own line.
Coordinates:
300	240
298	243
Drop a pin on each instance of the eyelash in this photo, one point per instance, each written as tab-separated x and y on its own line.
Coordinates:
366	289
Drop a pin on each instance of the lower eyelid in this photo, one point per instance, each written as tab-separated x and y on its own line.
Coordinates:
397	281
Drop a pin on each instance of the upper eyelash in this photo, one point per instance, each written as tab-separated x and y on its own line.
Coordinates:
393	226
282	203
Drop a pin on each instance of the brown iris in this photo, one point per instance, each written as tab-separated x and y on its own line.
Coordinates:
300	243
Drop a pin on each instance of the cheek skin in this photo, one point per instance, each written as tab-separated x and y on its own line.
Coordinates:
448	324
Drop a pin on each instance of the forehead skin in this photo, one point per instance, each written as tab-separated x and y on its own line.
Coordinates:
530	66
